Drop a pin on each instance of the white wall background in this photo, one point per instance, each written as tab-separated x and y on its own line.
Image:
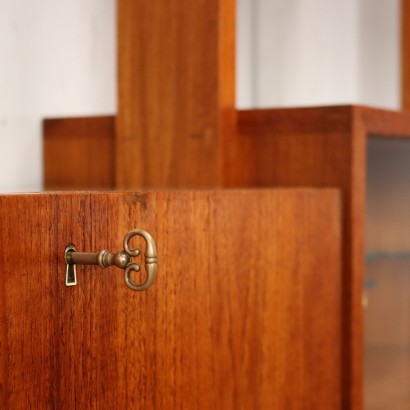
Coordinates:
57	58
318	52
379	54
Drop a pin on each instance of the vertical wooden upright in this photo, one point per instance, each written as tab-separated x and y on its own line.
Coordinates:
176	92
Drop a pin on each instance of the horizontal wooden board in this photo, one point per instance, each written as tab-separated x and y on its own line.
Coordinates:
176	92
79	153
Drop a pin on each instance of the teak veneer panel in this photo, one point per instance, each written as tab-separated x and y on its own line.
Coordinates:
176	92
245	313
79	153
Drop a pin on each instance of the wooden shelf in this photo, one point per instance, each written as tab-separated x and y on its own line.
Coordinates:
371	256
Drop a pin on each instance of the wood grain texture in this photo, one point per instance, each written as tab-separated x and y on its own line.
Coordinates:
323	147
245	313
176	92
79	153
384	123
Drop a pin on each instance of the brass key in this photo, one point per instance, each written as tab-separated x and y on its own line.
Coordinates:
122	260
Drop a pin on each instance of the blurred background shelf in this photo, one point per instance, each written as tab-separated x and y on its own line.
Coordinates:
372	256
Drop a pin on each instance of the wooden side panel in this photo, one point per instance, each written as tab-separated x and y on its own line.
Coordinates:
176	92
245	313
79	153
321	147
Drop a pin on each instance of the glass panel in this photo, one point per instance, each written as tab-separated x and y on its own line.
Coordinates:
387	286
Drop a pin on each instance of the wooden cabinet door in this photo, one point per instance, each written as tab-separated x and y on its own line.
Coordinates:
245	312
